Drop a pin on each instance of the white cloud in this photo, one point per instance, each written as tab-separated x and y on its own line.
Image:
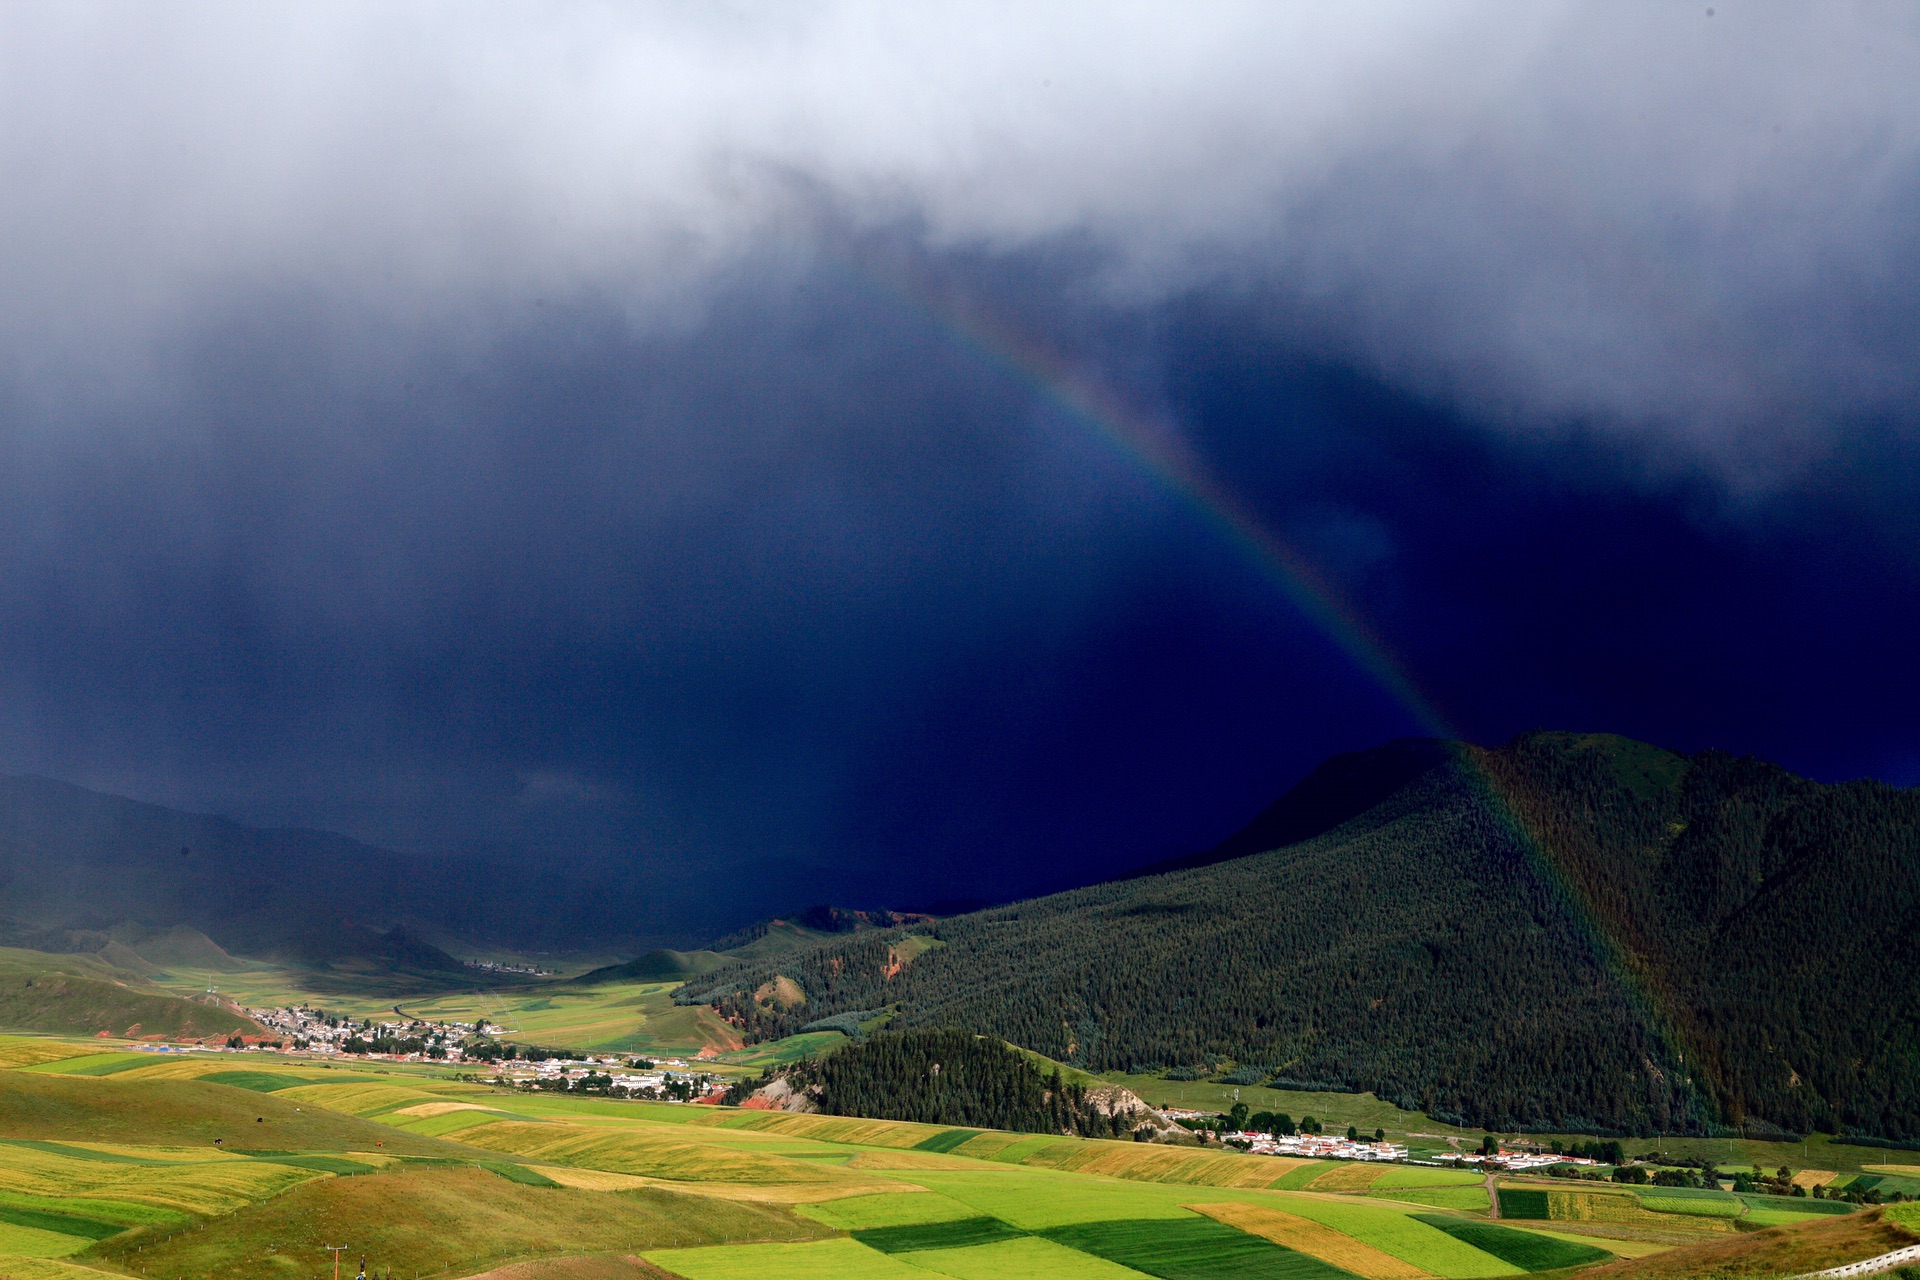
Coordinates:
1638	214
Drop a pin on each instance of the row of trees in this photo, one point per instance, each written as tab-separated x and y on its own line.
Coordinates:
937	1076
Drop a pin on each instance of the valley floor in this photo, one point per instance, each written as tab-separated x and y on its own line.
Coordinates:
219	1166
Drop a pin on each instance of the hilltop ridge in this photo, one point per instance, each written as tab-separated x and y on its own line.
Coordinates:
1571	932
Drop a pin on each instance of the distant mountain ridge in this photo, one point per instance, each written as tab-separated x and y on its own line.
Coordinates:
1570	932
78	860
80	868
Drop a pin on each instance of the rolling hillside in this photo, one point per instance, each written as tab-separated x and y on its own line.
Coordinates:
1570	932
86	995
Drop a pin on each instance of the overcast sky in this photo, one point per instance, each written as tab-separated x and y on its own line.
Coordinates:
616	428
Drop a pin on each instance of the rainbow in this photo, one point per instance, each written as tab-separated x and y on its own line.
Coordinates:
1163	455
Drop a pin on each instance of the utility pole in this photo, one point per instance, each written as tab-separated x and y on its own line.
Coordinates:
336	1250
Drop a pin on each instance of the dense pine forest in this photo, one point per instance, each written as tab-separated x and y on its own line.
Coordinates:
947	1077
1570	932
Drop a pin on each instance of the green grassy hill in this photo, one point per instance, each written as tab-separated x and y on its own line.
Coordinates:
1571	932
85	995
655	966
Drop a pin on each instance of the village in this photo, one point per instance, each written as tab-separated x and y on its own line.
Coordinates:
308	1030
316	1031
1337	1147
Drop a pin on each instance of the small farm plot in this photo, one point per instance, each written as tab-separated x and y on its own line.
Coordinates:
1021	1259
1526	1204
1192	1248
95	1064
902	1209
945	1142
1697	1204
1402	1236
1036	1201
1415	1176
37	1242
1312	1238
1463	1199
957	1233
61	1223
25	1051
120	1214
1798	1206
1524	1249
843	1259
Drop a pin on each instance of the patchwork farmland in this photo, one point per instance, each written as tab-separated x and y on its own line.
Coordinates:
185	1166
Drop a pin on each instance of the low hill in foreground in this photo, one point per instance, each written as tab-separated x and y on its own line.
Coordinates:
1570	932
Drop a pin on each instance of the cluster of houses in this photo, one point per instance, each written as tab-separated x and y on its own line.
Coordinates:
309	1030
669	1080
1514	1161
1316	1145
316	1031
527	970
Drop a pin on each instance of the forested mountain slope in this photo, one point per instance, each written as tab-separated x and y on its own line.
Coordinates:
1570	931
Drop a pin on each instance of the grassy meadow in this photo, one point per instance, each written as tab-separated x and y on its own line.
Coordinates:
217	1166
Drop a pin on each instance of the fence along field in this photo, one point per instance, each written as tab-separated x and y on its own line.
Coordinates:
112	1167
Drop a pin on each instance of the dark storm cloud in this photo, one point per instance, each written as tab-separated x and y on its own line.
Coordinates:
469	425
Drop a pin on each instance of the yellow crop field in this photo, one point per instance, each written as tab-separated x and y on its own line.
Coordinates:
869	1133
424	1109
650	1151
214	1185
592	1179
1348	1177
23	1268
1316	1240
823	1260
27	1051
907	1206
356	1099
990	1144
1144	1162
32	1242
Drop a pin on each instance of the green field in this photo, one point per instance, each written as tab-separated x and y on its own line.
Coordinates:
219	1167
1415	1176
1463	1199
1524	1249
1191	1248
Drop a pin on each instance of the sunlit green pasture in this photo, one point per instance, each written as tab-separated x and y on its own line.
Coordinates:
222	1166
